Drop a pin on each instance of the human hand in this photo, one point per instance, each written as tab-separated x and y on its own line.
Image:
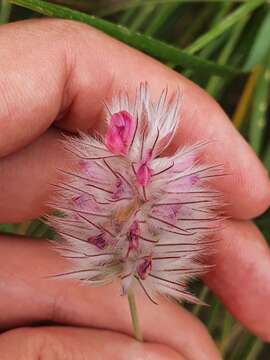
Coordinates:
60	72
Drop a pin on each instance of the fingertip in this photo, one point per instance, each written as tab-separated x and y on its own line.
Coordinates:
253	185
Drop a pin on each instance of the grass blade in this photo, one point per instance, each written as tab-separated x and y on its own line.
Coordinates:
5	11
153	47
161	17
226	331
261	44
141	17
255	350
215	83
259	107
206	13
266	159
224	25
243	104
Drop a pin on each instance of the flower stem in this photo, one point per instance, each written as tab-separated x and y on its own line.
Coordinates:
134	316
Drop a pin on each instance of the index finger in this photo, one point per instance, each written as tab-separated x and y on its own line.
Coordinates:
67	69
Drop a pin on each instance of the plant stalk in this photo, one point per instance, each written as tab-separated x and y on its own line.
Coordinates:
134	316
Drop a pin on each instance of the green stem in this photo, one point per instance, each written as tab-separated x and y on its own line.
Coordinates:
134	316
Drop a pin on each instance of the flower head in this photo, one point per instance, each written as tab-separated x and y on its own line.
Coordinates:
131	213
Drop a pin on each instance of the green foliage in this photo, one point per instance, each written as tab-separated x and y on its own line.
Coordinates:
223	25
229	38
258	119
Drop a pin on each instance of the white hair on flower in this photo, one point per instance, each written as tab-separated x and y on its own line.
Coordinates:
128	212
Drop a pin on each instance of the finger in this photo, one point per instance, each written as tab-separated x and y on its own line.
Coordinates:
27	175
241	276
28	297
76	343
85	67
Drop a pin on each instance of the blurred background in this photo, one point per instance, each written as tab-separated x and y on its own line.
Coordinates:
224	46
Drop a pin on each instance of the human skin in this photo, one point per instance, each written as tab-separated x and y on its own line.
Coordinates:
59	73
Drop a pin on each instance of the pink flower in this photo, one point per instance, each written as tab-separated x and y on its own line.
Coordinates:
131	214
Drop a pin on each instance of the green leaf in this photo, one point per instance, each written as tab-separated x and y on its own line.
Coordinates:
153	47
224	25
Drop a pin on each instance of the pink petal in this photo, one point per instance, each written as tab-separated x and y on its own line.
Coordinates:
143	174
120	133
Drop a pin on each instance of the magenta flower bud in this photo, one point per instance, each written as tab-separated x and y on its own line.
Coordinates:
119	133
